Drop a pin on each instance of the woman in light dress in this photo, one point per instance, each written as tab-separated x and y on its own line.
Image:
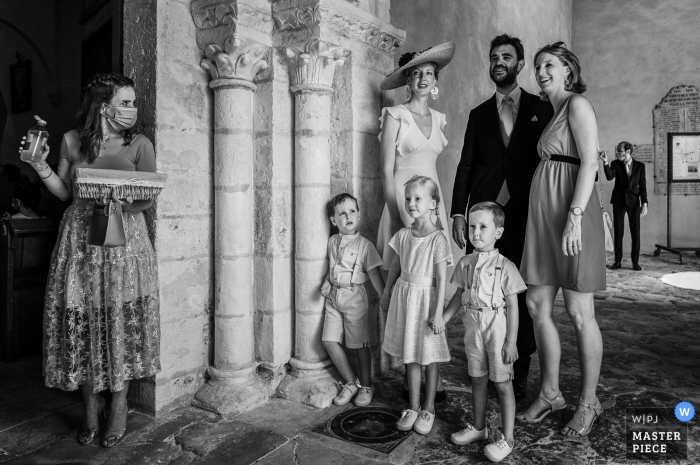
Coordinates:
411	140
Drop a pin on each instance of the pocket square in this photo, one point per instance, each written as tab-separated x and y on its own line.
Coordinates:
534	118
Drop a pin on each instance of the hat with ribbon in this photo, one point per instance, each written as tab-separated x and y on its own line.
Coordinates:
440	55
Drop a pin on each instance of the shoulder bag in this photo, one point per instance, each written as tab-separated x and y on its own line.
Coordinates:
106	226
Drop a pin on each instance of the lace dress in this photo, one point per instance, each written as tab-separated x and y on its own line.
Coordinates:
101	313
407	332
416	155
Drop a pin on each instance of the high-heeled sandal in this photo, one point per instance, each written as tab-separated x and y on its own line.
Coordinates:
86	435
112	440
577	423
557	403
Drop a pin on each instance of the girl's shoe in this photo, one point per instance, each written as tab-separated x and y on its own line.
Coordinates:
532	415
469	435
407	420
346	393
578	422
364	396
424	423
498	450
87	435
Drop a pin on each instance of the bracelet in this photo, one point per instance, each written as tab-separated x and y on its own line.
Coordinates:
42	169
47	177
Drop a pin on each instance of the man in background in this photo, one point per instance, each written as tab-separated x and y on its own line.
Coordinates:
629	197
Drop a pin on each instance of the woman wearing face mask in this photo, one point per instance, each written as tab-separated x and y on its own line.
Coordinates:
101	315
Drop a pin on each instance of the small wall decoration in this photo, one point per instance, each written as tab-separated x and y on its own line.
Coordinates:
21	85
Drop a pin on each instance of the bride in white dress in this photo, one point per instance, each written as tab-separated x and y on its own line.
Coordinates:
410	141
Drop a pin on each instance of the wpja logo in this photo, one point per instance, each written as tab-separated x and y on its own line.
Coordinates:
657	433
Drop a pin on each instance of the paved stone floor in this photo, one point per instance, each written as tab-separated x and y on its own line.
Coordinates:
651	358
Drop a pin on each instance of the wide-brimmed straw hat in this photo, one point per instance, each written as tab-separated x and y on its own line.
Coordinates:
440	55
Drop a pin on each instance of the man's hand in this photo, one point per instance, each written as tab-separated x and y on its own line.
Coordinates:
603	156
509	352
459	231
644	209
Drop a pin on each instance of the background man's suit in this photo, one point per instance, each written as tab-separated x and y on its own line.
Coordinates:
628	195
486	162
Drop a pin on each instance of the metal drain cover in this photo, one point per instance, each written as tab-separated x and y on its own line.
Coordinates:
370	427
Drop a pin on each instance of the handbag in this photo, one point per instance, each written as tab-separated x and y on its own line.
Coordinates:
607	222
106	226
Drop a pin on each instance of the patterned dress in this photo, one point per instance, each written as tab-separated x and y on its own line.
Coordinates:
407	332
101	314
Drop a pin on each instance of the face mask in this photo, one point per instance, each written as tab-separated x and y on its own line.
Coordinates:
120	118
16	205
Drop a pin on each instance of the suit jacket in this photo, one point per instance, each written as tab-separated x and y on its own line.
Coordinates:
628	190
486	162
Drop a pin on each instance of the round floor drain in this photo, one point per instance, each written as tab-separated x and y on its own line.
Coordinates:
373	427
684	280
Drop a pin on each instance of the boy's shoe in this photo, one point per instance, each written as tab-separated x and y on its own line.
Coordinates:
364	396
498	450
407	420
347	393
469	435
424	423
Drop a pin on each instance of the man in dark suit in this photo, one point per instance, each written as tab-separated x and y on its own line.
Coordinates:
499	159
628	196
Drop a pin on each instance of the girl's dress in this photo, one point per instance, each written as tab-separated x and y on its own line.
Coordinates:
416	156
407	332
101	314
551	193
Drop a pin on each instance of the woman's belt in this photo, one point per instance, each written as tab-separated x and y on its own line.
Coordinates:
565	159
417	280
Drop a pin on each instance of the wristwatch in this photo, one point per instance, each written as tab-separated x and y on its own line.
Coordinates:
576	211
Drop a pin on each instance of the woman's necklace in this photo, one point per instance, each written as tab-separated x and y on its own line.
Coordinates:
427	114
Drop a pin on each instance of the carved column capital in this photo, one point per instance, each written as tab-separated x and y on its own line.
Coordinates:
238	62
312	67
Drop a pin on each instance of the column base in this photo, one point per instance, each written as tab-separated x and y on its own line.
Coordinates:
314	384
230	395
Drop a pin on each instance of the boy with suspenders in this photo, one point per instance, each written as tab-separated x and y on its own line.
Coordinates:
487	288
352	261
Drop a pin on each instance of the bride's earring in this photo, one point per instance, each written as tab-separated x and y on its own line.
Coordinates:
408	93
434	93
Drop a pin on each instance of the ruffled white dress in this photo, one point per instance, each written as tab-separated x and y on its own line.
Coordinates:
407	333
415	155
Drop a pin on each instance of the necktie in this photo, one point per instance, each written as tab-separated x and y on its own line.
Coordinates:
629	169
507	125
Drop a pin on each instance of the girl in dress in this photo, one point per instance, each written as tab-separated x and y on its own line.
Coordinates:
415	329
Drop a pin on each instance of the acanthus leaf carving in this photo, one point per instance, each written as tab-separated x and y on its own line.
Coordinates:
304	17
315	64
237	60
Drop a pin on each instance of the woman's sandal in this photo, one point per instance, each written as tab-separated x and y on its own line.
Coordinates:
113	439
86	435
577	424
557	403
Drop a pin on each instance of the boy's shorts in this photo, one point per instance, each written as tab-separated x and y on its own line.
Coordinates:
347	314
485	334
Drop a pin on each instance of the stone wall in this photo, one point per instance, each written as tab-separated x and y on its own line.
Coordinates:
465	83
632	54
161	55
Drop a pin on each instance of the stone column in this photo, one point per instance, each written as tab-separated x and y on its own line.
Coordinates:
311	71
232	385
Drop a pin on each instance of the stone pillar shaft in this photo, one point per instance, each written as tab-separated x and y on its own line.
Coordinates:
233	241
312	188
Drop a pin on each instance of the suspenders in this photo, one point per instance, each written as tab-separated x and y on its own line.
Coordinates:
496	284
356	267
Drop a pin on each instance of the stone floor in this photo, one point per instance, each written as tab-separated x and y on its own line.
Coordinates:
652	358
